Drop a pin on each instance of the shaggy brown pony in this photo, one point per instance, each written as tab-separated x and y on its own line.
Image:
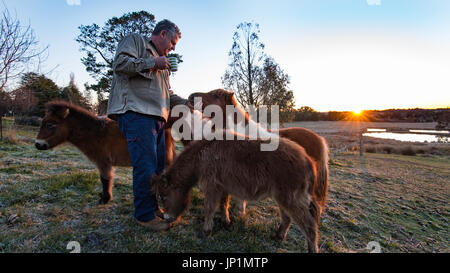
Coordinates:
240	168
315	146
100	139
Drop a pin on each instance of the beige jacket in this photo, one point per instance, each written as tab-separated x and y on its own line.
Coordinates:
134	87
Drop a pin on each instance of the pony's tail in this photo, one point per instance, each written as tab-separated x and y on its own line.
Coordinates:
321	189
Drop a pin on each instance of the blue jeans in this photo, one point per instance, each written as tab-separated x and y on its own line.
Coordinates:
146	145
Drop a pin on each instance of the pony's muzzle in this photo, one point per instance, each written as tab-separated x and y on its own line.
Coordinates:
41	144
169	218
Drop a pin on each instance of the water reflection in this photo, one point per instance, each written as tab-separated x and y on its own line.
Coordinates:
429	131
410	137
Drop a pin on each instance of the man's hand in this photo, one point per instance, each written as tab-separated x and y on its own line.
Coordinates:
161	63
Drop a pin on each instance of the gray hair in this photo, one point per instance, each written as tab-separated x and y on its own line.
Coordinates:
168	26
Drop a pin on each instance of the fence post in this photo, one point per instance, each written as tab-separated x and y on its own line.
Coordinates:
361	142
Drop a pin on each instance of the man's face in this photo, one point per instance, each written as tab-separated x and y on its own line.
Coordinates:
167	43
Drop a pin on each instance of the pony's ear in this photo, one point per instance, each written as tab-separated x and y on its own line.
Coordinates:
58	110
64	113
229	97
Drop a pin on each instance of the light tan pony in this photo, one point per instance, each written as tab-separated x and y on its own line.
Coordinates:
315	146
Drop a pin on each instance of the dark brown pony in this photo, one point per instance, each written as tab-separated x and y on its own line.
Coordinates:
315	146
100	139
240	168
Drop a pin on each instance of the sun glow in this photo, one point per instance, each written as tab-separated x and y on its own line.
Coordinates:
357	112
357	115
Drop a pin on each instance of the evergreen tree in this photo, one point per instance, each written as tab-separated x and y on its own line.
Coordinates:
274	87
43	88
73	94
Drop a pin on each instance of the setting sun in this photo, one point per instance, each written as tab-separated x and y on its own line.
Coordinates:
357	112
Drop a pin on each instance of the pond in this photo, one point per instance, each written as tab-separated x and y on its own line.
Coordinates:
425	136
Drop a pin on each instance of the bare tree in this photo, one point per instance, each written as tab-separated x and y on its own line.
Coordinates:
255	77
19	48
244	72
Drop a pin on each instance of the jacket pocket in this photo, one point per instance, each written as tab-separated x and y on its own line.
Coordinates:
139	82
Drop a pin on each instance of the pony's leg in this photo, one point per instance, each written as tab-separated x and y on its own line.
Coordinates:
225	206
284	226
107	178
305	213
306	219
170	147
213	196
240	208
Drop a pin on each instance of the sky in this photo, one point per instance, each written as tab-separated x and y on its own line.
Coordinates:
339	54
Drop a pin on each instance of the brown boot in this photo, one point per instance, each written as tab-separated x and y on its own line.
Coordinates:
156	224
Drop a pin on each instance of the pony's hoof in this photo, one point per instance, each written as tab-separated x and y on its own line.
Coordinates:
277	237
104	199
204	234
226	224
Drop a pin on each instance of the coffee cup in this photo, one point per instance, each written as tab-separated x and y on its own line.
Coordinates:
173	63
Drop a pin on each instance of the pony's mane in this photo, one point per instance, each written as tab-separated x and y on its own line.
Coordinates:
239	108
231	100
75	110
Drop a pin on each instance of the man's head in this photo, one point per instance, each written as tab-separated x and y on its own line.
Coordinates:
165	36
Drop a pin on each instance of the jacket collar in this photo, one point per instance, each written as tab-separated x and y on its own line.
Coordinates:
152	48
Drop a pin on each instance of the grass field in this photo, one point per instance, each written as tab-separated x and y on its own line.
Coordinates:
49	198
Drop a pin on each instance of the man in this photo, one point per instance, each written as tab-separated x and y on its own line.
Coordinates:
140	102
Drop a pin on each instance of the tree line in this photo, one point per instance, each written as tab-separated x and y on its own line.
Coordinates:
35	90
306	113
